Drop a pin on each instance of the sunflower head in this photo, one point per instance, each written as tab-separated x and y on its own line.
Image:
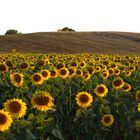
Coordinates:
79	73
17	79
71	72
84	99
37	79
138	107
24	66
42	101
53	73
137	95
16	107
45	74
3	67
107	120
118	83
5	120
126	87
101	90
63	72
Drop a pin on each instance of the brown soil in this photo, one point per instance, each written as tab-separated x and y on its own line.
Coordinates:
73	42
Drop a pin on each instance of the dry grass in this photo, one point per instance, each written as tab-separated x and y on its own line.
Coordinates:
73	42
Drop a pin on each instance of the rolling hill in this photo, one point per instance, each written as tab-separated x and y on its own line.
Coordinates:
73	42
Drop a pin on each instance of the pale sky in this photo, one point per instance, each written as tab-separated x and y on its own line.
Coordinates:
28	16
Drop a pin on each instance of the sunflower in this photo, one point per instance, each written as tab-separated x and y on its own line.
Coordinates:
105	74
138	107
24	66
116	71
17	79
79	73
59	66
16	107
63	72
87	76
127	87
40	62
5	120
101	90
42	101
118	83
111	71
107	120
90	69
3	67
128	73
137	95
71	72
46	74
82	64
97	69
84	99
37	79
74	64
53	73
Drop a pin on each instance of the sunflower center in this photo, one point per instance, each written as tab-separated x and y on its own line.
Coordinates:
138	96
15	107
107	119
126	87
17	78
37	78
71	71
24	66
2	68
117	83
78	72
42	100
100	89
44	73
3	119
63	72
84	98
53	73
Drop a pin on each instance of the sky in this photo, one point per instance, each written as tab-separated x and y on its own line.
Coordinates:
29	16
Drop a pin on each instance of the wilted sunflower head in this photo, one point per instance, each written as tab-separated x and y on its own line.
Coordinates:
17	79
84	99
37	79
59	66
101	90
118	83
5	120
42	101
90	69
107	120
137	95
16	107
24	66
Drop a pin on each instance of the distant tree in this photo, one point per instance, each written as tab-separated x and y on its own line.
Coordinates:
66	29
11	31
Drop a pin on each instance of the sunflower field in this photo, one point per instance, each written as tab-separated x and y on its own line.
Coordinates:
69	96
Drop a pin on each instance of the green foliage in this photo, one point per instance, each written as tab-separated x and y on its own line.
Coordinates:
11	31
